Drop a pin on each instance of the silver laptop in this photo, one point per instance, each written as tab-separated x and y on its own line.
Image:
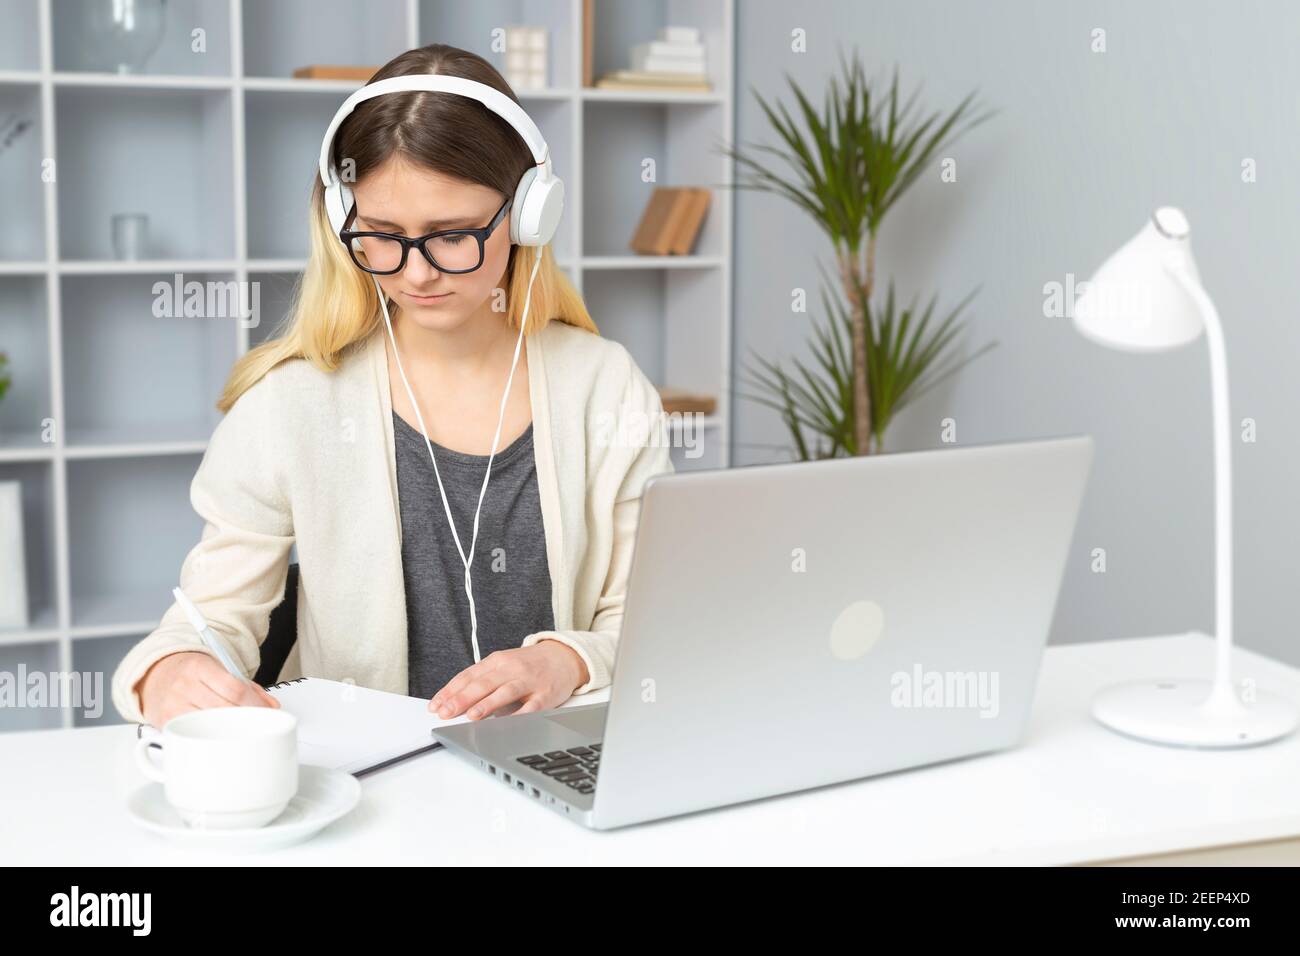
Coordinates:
795	625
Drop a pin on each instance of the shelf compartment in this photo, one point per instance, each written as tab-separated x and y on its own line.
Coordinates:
617	140
696	360
655	314
165	153
25	338
36	481
648	312
620	25
116	388
348	34
694	353
627	306
134	525
76	49
21	167
282	135
20	41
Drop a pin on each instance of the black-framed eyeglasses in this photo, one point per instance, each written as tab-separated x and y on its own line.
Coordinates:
448	250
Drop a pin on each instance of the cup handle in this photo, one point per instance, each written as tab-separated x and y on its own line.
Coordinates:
146	763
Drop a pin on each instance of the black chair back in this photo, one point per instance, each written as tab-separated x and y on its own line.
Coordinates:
281	633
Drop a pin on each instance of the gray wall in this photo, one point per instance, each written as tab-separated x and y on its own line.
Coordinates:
1084	146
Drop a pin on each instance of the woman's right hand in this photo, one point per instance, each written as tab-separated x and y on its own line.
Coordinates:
192	680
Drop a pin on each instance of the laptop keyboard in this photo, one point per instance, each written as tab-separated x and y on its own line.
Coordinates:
576	767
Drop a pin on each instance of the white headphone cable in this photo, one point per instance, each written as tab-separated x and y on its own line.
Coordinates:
523	324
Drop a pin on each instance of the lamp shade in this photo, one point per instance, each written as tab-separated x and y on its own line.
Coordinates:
1135	302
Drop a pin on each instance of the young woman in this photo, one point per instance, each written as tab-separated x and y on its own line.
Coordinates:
322	446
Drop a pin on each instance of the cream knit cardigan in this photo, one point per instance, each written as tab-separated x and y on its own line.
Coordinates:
307	456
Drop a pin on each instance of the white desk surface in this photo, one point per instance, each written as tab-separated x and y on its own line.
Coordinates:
1070	792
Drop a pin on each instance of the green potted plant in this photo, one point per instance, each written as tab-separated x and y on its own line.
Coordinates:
5	378
846	166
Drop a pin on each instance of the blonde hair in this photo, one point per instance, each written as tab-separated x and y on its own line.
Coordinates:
335	304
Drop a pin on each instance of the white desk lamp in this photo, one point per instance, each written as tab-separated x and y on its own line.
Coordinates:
1148	297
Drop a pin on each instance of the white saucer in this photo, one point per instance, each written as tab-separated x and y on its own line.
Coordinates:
324	795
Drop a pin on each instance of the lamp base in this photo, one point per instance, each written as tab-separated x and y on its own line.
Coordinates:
1186	713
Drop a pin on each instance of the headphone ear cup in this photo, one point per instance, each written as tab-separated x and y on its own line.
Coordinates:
535	213
338	202
335	206
517	207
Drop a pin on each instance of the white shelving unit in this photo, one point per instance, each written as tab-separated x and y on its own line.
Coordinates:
218	149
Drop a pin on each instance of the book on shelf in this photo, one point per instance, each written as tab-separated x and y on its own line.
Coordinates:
659	57
679	400
643	80
651	236
696	204
318	71
679	34
687	51
670	65
588	39
671	221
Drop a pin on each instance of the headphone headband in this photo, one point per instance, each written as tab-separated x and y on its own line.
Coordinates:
492	98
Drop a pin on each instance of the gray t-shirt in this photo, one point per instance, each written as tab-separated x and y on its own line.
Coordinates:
510	577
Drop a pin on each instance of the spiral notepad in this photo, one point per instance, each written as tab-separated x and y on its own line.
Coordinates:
355	729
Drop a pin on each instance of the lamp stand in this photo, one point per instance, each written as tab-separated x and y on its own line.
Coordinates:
1201	713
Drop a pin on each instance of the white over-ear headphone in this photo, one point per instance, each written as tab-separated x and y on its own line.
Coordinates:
539	197
534	217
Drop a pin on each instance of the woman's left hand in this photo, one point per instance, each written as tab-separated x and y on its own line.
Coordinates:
542	676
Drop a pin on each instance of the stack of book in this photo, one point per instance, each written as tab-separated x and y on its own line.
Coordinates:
671	221
673	61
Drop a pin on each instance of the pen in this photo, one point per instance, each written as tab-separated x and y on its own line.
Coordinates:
206	634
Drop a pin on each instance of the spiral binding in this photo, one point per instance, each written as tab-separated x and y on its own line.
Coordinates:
286	683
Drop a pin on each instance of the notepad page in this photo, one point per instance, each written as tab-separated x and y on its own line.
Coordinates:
353	728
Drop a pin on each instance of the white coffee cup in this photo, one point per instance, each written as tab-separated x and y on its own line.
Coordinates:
226	767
